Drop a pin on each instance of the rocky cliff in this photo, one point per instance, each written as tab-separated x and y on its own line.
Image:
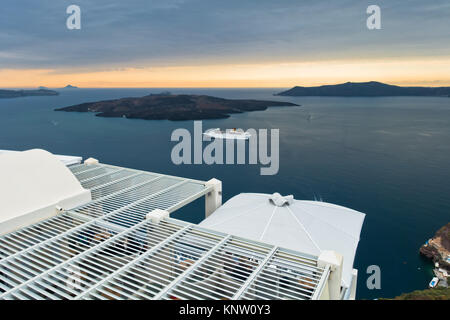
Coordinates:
438	247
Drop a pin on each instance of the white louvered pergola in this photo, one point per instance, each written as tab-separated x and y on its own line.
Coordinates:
109	249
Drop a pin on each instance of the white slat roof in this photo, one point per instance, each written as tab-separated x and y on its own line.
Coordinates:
106	249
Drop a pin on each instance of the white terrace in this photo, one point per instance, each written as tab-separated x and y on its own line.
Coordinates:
96	231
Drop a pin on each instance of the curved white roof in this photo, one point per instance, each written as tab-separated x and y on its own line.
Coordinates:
306	226
67	160
32	184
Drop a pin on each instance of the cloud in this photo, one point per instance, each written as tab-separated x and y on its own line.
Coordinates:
144	33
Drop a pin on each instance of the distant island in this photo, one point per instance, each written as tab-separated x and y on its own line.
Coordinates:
365	89
69	86
166	106
6	94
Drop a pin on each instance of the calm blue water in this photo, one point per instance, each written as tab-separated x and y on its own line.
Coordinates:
386	157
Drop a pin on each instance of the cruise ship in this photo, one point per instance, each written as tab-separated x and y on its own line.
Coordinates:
229	134
85	230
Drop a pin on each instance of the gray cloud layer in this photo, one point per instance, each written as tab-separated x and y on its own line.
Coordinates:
140	33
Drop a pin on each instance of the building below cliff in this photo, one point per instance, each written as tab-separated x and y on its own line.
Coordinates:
438	249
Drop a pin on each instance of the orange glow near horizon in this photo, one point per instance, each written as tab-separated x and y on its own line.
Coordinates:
425	72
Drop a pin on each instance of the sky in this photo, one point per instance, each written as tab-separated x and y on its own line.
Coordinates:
226	43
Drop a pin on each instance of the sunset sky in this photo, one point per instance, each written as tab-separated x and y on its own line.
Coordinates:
210	43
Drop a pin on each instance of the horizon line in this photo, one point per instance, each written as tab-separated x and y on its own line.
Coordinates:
219	87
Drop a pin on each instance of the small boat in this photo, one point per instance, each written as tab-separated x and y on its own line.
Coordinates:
234	133
434	282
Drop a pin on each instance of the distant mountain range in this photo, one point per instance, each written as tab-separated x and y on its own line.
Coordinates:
366	89
172	107
69	86
4	94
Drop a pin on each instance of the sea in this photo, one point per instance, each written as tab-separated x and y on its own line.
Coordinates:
387	157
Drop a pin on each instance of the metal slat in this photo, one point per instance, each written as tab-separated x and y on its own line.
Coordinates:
97	180
46	229
82	167
156	271
191	268
321	284
136	260
118	211
232	260
254	274
92	249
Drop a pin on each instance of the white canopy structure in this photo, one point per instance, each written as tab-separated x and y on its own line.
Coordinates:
124	245
307	226
97	231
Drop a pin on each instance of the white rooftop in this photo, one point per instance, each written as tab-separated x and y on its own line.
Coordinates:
108	248
32	191
306	226
66	160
